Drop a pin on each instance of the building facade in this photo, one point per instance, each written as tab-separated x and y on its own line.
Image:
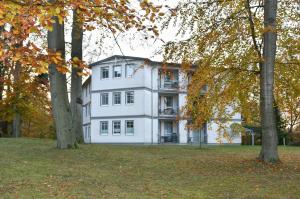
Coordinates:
136	100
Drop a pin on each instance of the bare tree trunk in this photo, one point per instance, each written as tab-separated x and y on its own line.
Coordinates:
1	80
58	89
76	80
16	124
269	151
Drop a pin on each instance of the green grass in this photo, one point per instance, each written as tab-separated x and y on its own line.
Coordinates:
33	168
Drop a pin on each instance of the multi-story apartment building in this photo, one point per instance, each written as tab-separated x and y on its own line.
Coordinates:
136	100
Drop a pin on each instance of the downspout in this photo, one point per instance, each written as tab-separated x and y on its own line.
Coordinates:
152	105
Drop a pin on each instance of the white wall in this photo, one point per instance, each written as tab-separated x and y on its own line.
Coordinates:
138	137
147	74
86	99
137	108
144	79
115	83
183	133
183	82
213	133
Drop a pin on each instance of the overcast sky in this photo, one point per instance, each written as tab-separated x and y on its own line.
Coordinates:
131	43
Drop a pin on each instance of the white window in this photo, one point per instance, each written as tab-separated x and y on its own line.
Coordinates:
104	99
116	127
104	128
130	69
87	132
104	72
117	98
129	97
129	127
117	71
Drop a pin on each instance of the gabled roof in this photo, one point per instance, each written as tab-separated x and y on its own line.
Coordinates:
147	60
119	57
131	58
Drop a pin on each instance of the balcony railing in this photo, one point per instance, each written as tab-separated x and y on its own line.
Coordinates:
169	85
168	111
170	138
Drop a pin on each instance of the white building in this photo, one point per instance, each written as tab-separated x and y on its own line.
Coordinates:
135	100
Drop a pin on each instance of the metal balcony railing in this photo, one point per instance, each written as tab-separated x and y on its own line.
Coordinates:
168	111
170	138
169	85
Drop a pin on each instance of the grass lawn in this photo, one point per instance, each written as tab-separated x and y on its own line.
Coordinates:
33	168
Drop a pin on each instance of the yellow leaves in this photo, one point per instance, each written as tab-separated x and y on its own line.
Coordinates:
76	59
49	27
17	56
16	31
57	10
42	68
62	69
60	19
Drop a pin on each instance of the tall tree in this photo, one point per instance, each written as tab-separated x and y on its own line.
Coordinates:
76	76
268	151
233	44
16	123
34	16
58	88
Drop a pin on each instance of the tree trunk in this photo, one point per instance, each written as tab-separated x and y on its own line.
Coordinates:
268	151
58	89
1	80
16	123
1	68
76	80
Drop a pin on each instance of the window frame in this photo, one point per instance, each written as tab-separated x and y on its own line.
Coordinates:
126	70
114	98
101	99
113	128
126	97
101	132
126	129
101	72
114	71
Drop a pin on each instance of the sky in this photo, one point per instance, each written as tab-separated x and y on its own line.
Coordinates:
131	43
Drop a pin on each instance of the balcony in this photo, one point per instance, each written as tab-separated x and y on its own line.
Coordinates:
169	84
168	131
168	80
168	111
